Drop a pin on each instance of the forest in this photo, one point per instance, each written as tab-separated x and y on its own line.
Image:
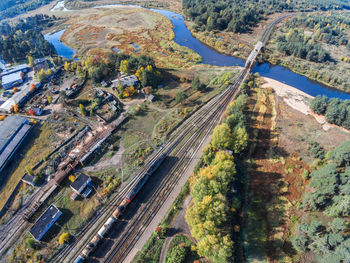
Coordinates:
336	111
25	38
11	8
330	28
240	16
296	43
328	195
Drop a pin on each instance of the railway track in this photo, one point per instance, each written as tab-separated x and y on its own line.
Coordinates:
139	223
70	252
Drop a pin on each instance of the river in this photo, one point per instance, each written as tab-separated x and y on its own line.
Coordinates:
184	37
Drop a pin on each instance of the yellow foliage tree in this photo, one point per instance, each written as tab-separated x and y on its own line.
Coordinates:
71	178
64	238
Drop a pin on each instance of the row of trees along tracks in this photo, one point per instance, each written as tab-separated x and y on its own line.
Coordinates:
198	122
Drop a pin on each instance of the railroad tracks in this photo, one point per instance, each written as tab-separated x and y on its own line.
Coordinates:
69	253
139	223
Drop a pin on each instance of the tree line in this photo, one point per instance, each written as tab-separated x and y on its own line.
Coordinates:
211	214
25	38
240	16
328	193
336	111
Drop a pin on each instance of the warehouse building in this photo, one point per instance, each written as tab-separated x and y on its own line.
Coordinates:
13	129
10	70
12	80
45	222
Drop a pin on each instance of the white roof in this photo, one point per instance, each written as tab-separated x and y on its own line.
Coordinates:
11	78
16	98
8	71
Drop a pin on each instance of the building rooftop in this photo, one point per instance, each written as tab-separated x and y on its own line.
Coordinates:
17	98
126	81
8	127
44	223
16	76
81	181
10	70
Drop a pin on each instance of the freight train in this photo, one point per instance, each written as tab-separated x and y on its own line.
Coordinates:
91	246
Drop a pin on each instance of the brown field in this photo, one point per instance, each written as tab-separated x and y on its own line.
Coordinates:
97	31
280	156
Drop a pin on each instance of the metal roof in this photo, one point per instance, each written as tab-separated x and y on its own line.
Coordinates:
16	76
8	128
13	69
45	222
80	181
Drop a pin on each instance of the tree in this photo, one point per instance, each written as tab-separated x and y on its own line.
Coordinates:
71	178
341	155
178	254
124	66
30	61
64	238
222	137
32	87
180	97
240	139
49	99
15	89
82	110
196	84
29	170
66	66
30	242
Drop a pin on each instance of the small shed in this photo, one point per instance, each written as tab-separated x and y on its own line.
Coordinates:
79	185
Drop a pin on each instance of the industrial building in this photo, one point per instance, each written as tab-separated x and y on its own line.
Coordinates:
19	68
45	222
12	80
18	98
13	131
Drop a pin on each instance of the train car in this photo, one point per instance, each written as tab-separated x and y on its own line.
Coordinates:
91	246
106	227
79	259
153	167
120	209
156	164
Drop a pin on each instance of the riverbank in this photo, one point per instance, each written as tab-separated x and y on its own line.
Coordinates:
298	100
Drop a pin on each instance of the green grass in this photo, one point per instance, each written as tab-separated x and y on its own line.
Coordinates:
256	232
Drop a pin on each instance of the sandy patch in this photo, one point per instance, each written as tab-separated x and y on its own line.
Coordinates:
298	100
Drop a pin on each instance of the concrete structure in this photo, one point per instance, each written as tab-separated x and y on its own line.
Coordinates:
45	222
12	80
13	131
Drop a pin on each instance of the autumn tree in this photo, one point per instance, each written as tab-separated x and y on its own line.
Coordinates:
32	87
222	137
82	110
124	66
30	61
49	99
64	238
